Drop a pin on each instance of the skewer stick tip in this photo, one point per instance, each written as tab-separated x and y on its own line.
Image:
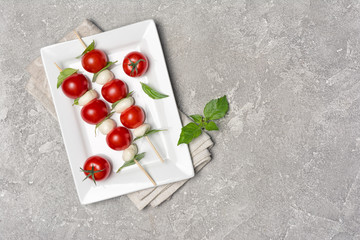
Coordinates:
155	150
58	67
80	39
146	173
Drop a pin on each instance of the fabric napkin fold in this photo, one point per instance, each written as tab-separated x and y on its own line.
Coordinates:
38	87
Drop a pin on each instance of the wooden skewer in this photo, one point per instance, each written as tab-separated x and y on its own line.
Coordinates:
146	173
153	147
58	67
80	39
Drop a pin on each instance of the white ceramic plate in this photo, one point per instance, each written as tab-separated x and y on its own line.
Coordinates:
79	138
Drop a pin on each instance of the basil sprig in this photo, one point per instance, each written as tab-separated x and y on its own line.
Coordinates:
67	72
138	157
108	64
134	65
107	117
88	49
215	109
152	92
91	173
149	132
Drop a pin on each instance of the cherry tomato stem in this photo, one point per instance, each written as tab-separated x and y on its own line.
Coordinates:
96	168
135	64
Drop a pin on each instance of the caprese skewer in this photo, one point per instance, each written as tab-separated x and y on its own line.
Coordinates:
76	86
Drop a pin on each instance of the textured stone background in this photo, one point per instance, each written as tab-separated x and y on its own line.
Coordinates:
286	161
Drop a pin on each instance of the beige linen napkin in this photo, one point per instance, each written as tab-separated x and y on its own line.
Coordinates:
38	87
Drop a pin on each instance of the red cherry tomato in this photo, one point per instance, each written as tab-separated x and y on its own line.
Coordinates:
94	61
119	138
132	117
96	168
114	90
94	112
135	64
75	86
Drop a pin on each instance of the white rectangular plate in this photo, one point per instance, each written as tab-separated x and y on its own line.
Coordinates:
79	138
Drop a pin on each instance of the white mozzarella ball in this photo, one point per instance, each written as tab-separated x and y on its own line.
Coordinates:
106	126
141	130
104	77
130	152
124	104
87	97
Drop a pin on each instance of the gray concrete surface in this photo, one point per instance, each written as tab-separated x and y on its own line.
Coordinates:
286	161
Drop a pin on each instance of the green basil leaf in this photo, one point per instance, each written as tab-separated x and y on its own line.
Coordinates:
211	126
107	117
153	131
138	157
216	108
149	133
126	164
67	72
189	132
130	93
76	101
88	49
152	92
137	138
108	64
197	118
